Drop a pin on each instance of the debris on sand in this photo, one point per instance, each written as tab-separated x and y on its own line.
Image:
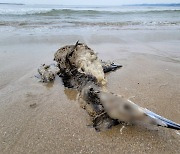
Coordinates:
48	72
34	105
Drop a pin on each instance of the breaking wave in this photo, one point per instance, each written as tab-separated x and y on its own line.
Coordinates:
63	17
56	12
95	12
85	24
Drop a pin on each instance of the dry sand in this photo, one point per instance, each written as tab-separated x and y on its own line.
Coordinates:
46	118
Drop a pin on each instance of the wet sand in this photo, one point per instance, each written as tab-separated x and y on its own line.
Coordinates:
46	118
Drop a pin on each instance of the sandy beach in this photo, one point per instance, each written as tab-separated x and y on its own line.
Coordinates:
46	118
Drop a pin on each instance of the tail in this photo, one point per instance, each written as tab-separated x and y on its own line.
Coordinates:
161	121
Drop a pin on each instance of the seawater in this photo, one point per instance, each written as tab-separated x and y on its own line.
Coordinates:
55	17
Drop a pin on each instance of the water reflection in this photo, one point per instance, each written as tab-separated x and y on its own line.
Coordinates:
49	85
71	94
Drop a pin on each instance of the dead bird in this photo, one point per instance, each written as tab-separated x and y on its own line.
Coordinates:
47	72
81	69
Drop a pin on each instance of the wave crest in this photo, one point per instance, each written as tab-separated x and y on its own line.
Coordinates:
56	12
97	12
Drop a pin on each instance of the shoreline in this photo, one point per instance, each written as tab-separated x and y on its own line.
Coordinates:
56	123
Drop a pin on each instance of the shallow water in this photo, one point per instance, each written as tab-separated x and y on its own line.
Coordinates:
52	18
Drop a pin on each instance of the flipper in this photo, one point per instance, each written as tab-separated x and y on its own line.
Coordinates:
109	67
